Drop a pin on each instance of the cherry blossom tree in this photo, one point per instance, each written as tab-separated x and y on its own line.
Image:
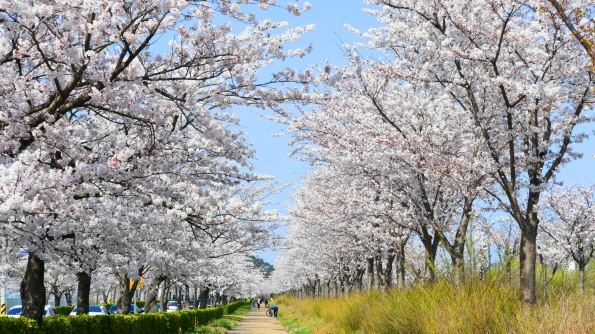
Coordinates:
523	80
568	215
422	163
93	116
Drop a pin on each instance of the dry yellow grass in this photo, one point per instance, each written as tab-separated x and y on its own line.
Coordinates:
490	307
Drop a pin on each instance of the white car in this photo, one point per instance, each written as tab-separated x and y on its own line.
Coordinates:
93	310
16	310
172	306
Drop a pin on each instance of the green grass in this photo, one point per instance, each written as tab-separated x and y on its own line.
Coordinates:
479	307
293	322
224	324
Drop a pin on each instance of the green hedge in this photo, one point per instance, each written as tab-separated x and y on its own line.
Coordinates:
232	307
158	323
64	310
73	325
107	306
9	325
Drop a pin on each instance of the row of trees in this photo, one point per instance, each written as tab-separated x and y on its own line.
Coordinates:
117	151
475	109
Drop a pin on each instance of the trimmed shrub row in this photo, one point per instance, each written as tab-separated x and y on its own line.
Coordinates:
9	325
64	310
158	323
231	307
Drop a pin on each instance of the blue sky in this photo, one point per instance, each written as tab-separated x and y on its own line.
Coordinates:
272	151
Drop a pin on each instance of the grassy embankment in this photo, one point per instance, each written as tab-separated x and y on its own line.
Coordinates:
479	307
224	324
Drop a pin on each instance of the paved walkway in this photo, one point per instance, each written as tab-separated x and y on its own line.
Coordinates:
257	322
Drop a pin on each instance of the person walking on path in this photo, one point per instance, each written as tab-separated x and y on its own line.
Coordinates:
253	303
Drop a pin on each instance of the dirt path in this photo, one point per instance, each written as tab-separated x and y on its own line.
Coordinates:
257	322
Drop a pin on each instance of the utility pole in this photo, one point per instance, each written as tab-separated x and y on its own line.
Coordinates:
2	301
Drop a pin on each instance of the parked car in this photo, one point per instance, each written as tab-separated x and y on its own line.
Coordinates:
93	310
172	306
114	308
16	310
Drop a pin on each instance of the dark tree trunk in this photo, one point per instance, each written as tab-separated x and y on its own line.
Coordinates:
401	266
68	296
164	291
187	296
57	294
195	296
359	278
457	250
178	296
346	284
84	289
126	293
385	274
153	289
528	258
335	288
202	298
431	246
581	269
33	289
370	269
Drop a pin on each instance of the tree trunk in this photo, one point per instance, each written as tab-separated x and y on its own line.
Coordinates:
528	258
346	285
187	296
457	251
359	279
401	266
57	295
202	298
431	246
84	289
581	269
162	297
195	296
458	267
126	293
384	275
68	296
152	291
33	289
57	299
335	288
370	273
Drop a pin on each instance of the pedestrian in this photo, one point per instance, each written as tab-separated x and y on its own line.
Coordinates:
266	303
253	303
258	304
275	309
